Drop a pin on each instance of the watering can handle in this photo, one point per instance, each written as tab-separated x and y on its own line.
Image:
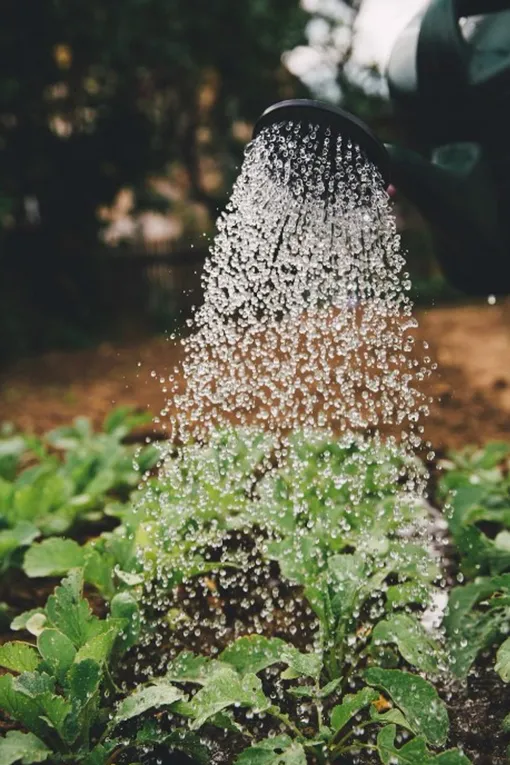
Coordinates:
476	7
443	54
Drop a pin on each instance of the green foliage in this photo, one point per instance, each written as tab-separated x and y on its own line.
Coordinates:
280	750
59	687
364	582
477	486
476	619
414	644
22	747
417	700
54	493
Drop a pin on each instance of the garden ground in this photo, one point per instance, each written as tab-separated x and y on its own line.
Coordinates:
471	388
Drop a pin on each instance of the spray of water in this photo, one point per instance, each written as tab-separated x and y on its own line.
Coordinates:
305	334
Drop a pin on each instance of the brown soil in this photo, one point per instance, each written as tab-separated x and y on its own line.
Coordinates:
471	388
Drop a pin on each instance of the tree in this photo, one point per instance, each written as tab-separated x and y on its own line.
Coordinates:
95	95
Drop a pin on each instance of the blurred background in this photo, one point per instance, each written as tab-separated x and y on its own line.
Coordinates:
122	129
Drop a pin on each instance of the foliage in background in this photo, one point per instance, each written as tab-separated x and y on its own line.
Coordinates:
476	488
48	486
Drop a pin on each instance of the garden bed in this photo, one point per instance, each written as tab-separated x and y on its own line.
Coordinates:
276	597
471	388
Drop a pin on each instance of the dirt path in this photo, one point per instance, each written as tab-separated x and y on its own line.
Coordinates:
471	388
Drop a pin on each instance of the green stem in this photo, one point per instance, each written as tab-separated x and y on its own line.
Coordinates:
275	712
350	733
318	705
353	748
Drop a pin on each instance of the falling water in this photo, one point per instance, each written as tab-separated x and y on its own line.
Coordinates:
306	321
305	333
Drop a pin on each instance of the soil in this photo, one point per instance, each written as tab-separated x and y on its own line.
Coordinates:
471	388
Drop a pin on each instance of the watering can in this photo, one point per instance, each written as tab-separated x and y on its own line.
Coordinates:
451	87
449	80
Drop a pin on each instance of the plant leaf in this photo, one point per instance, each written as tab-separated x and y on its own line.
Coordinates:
84	678
188	668
34	684
21	707
100	646
411	639
57	651
280	750
350	706
393	715
124	606
19	657
179	740
16	746
70	613
225	688
413	752
53	557
417	699
143	699
23	621
253	653
503	661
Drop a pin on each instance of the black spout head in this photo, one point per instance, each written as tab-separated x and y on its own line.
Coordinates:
337	120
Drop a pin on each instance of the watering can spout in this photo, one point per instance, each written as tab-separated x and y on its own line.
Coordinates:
455	195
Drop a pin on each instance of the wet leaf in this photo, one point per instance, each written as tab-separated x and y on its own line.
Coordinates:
187	667
53	557
411	639
19	657
124	606
100	646
280	750
57	651
393	715
254	653
413	752
145	698
84	678
22	622
34	684
417	699
225	688
350	706
70	613
21	707
503	661
22	747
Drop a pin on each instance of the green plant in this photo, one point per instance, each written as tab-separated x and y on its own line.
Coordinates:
216	692
330	519
58	490
477	619
57	689
476	486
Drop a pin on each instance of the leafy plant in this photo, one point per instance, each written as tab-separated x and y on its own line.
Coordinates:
57	688
476	485
477	619
214	692
51	495
367	685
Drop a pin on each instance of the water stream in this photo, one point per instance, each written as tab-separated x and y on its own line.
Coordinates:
305	337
